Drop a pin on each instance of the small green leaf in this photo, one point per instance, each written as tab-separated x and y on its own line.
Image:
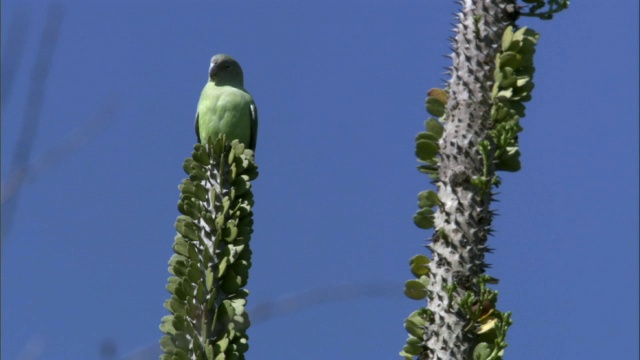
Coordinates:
426	150
200	156
427	136
509	160
489	326
226	202
183	291
230	282
504	94
181	341
209	351
434	127
179	322
196	171
518	108
245	222
208	219
482	351
414	324
222	268
244	233
406	356
520	33
510	59
186	165
523	80
242	209
428	199
178	266
219	222
240	163
177	306
194	274
507	38
222	344
424	218
188	208
180	246
209	279
166	326
166	344
413	350
237	147
186	187
172	284
435	107
508	78
415	290
431	170
193	253
230	231
525	88
412	341
240	185
419	265
200	192
439	94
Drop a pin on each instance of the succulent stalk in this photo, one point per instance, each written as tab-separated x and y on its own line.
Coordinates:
474	134
212	256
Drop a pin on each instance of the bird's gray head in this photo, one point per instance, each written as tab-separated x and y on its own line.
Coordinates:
225	70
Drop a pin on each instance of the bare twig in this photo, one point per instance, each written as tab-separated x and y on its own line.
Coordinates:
306	299
33	106
12	52
75	140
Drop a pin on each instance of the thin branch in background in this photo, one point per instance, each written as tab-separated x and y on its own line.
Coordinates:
12	52
295	302
33	350
33	106
306	299
72	142
108	349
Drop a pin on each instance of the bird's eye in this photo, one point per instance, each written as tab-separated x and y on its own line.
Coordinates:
227	66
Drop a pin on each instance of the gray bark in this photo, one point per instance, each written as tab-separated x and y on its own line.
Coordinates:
463	220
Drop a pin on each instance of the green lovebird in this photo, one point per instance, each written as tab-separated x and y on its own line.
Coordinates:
225	106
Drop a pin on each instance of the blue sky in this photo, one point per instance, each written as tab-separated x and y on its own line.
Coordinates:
340	87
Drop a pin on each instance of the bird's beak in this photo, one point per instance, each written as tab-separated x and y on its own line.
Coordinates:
213	68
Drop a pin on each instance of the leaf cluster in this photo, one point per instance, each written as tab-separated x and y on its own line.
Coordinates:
427	152
212	256
513	83
416	325
488	325
427	142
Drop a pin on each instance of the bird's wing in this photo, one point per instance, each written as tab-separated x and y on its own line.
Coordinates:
198	126
254	127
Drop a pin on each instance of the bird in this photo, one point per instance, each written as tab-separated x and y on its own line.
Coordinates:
225	106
